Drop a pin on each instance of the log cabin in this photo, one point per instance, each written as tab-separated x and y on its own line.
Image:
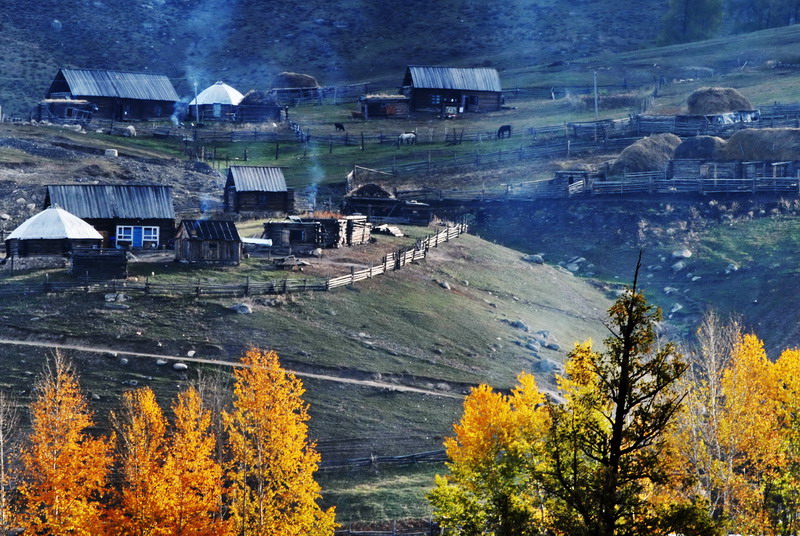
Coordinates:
259	189
451	91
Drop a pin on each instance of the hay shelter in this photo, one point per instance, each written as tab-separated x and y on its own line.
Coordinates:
716	100
652	153
700	148
767	144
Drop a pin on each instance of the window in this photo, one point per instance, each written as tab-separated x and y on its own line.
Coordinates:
150	234
136	236
473	100
436	100
124	234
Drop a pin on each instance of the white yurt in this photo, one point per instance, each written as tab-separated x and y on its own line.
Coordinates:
54	232
216	103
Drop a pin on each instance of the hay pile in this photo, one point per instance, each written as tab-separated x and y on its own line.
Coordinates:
716	100
256	97
773	144
700	147
648	154
294	80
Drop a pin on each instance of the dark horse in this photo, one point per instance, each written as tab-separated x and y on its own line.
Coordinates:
504	132
339	126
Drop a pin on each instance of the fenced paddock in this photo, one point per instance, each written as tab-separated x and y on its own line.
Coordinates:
248	288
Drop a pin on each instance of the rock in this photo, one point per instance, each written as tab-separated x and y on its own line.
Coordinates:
242	308
533	346
161	362
123	361
573	267
682	253
31	206
576	260
546	365
536	259
445	285
675	308
5	216
56	25
519	324
95	396
732	267
21	201
180	366
552	346
696	278
190	353
112	153
678	266
670	290
317	252
116	306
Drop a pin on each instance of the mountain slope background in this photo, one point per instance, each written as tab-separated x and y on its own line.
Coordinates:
247	42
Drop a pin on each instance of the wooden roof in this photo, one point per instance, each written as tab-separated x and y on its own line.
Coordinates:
209	230
123	85
463	78
106	201
256	179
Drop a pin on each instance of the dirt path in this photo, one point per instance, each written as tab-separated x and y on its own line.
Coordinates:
323	377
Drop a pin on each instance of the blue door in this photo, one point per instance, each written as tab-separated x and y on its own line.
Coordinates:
137	237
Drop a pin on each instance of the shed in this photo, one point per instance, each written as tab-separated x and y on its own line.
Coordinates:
119	96
258	189
258	107
319	232
208	241
384	106
453	90
54	231
218	102
130	215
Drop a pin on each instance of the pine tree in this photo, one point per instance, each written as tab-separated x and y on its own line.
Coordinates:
273	462
65	469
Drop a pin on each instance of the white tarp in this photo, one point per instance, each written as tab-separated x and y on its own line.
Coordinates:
52	224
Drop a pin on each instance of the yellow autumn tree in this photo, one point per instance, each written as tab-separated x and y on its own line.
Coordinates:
65	469
273	489
494	457
141	428
191	482
8	453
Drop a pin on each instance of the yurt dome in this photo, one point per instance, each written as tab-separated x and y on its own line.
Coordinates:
54	223
219	93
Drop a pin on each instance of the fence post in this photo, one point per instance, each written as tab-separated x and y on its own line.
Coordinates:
285	285
352	275
87	281
197	288
46	283
147	285
247	286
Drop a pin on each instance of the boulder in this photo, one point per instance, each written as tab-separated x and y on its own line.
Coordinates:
536	259
678	266
180	367
683	253
242	308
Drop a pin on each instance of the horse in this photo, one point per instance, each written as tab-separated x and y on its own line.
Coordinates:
504	132
409	138
339	127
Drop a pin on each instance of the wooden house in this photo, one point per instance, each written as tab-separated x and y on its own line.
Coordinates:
219	102
99	263
52	232
384	106
453	90
208	241
258	189
312	233
258	107
128	216
119	96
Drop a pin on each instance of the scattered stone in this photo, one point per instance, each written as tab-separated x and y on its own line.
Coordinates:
573	267
123	361
669	290
180	366
683	253
696	278
519	324
678	266
675	308
95	396
5	216
655	267
111	153
242	308
536	259
732	267
161	362
116	306
190	353
317	252
445	285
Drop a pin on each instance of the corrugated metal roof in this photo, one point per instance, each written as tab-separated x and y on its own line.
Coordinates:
219	93
106	201
257	178
141	86
473	79
54	223
211	230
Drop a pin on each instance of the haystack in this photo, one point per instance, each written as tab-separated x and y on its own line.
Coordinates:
648	154
294	80
768	144
700	148
716	100
257	97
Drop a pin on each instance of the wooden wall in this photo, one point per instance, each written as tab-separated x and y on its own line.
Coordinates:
208	251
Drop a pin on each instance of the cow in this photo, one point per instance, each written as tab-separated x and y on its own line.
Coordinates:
504	132
409	138
339	127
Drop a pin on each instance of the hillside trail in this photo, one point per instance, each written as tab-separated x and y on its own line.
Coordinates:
200	360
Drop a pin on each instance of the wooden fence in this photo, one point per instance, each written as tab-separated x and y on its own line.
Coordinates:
390	262
427	529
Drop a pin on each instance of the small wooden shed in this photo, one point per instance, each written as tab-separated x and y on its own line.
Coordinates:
52	232
319	232
385	106
208	241
258	189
